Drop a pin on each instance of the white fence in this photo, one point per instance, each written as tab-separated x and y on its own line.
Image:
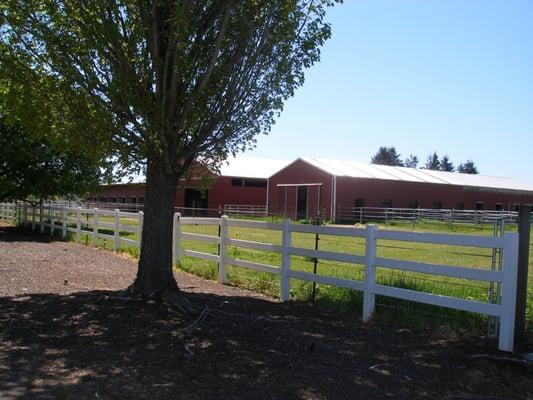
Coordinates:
70	220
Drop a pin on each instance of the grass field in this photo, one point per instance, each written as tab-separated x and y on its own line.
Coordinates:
390	310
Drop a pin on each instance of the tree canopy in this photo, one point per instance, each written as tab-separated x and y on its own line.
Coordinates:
161	84
387	156
32	169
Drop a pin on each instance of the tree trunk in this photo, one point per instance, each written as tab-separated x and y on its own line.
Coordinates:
155	279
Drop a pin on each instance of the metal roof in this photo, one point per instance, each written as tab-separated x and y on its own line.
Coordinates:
252	167
263	168
373	171
237	167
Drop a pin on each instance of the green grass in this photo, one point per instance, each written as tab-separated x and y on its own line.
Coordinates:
409	313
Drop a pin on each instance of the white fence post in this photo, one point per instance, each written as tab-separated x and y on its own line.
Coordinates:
223	250
41	217
33	218
78	224
176	238
369	298
285	285
510	271
116	231
52	221
63	222
95	227
140	227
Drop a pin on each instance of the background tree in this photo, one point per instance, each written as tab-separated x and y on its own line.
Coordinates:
166	83
469	167
32	169
411	161
446	165
387	156
433	162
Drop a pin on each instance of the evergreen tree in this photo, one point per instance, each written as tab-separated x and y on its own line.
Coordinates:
387	156
433	162
411	161
468	167
446	164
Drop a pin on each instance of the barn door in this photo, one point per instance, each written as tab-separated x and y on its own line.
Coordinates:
301	203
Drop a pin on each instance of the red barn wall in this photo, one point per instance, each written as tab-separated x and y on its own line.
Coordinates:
299	172
222	192
402	194
219	193
426	195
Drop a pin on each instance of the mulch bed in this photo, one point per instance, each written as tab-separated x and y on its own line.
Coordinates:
65	334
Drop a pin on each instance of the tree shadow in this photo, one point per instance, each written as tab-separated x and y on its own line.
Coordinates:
9	233
94	345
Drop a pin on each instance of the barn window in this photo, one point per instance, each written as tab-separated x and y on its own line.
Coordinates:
387	203
255	183
437	205
123	200
249	182
479	205
498	207
114	199
413	204
460	206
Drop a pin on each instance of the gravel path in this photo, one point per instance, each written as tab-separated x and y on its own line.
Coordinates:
61	267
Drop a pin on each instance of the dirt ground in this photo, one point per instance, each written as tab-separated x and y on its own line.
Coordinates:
64	334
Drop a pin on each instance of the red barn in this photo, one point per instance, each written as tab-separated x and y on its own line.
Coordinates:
242	181
308	185
300	189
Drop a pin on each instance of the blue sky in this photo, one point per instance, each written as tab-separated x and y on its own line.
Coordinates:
454	76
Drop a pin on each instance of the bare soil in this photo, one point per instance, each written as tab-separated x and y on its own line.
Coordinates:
64	333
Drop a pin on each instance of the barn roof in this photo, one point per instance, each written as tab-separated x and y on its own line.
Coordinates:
237	167
374	171
252	167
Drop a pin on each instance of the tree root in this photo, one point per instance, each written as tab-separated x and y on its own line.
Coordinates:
174	298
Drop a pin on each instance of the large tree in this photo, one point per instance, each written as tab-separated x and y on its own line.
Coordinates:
32	169
387	156
166	83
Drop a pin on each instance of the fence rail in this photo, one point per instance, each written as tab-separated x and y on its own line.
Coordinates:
107	224
451	216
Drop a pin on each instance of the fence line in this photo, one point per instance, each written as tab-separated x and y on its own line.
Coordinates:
105	221
451	216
